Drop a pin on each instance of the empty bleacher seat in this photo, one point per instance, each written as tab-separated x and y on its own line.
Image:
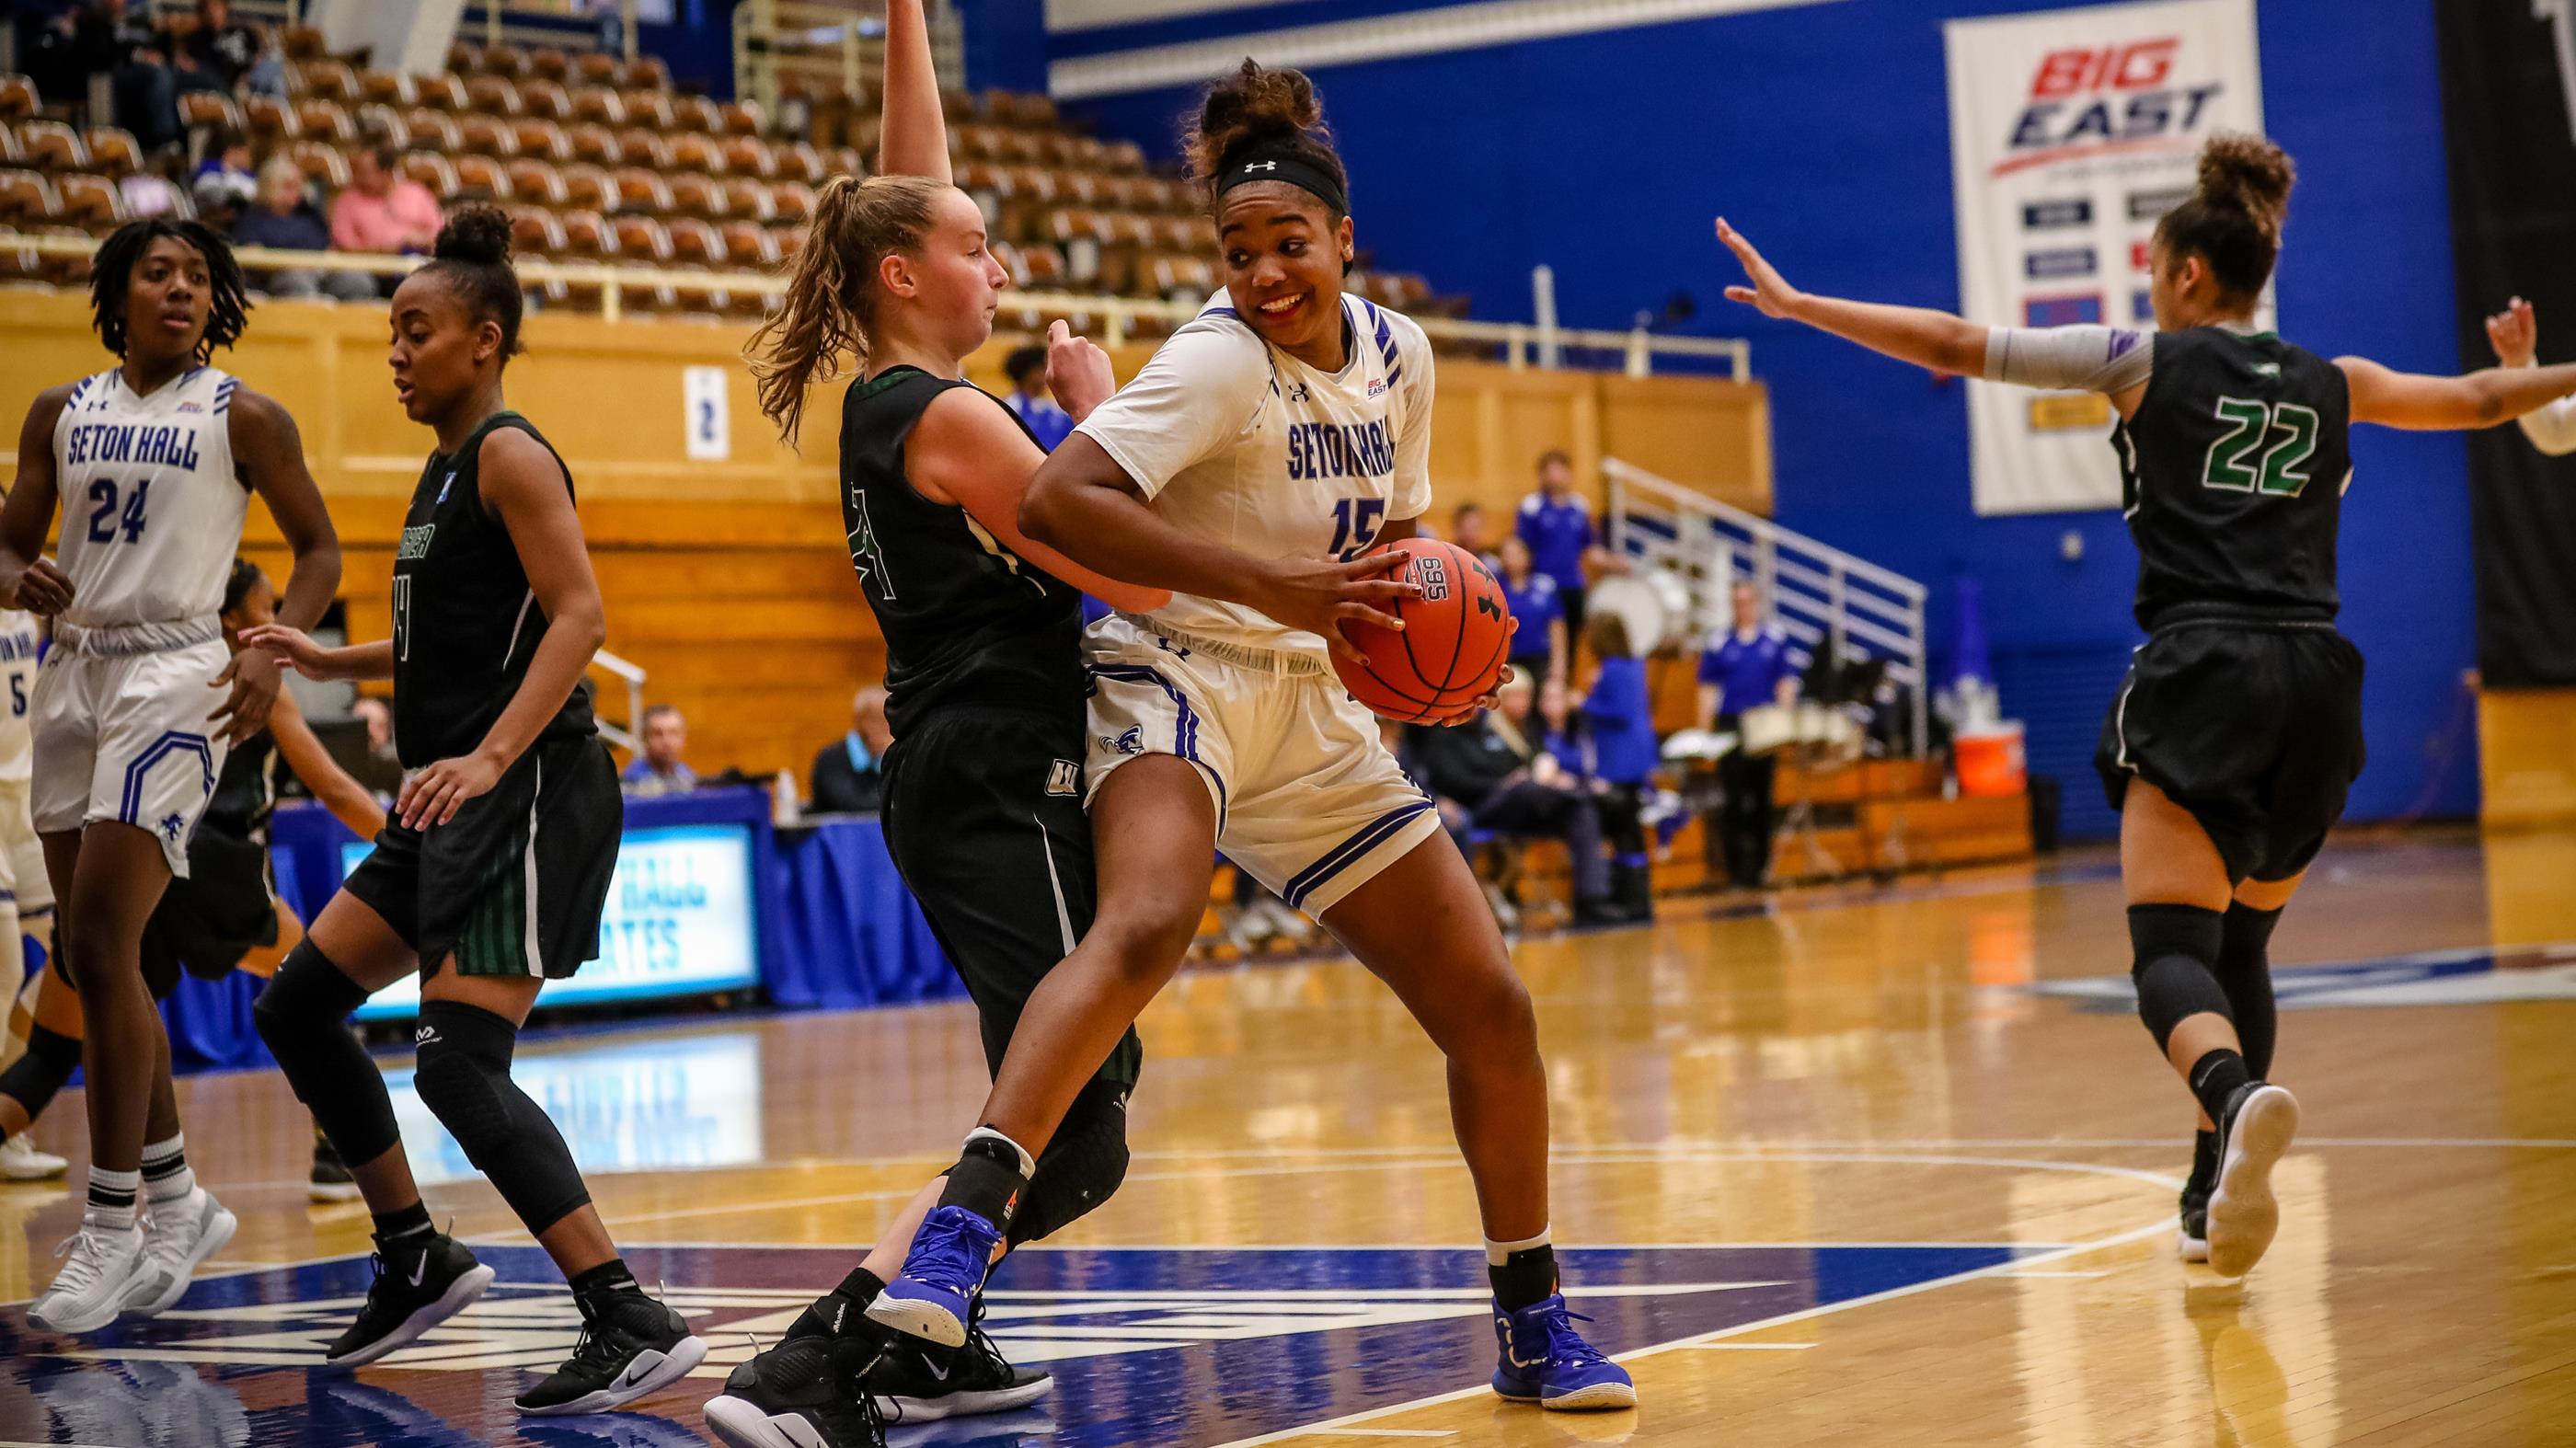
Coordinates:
600	105
440	90
88	201
302	42
750	200
538	182
17	97
647	108
329	79
643	190
588	186
493	95
433	130
113	151
742	118
593	143
26	198
324	120
384	126
321	163
691	152
799	161
209	108
548	62
545	99
638	147
507	61
51	146
432	170
750	156
487	135
481	176
793	202
542	138
387	87
700	196
696	113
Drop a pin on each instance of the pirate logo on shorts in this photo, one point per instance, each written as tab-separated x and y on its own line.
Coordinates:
1131	742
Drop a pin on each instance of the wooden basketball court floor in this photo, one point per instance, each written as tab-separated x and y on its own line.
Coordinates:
1878	1165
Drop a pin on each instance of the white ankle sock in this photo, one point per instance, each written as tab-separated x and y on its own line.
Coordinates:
1498	1253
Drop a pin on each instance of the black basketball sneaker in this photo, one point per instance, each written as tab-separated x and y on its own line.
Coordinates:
421	1281
808	1392
631	1346
922	1383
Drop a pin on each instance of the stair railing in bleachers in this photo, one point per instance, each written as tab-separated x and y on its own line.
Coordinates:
1817	591
834	44
621	736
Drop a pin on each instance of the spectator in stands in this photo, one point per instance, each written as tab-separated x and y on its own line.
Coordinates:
284	222
1539	645
219	47
658	768
849	773
1619	726
383	210
381	770
1033	401
224	179
1556	523
1467	530
143	91
1491	775
1748	668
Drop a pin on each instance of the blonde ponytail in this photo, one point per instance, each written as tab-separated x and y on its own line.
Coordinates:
831	288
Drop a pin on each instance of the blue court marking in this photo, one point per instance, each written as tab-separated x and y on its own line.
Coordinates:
1148	1346
2475	975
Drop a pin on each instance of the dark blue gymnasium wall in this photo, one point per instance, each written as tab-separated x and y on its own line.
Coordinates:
1823	132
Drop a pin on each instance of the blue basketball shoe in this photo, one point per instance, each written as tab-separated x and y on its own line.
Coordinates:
1545	1361
934	1297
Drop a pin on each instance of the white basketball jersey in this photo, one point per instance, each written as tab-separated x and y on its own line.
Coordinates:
152	510
18	639
1239	443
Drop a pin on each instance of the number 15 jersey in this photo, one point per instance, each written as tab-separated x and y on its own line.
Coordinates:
152	508
2232	474
1239	443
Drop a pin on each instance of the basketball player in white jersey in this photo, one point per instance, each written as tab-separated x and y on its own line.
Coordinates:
26	899
1265	447
2515	334
153	462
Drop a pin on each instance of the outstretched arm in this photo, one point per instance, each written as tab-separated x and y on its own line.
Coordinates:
2108	360
2515	332
914	141
347	799
2421	403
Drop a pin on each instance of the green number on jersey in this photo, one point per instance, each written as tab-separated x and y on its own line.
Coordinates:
2281	472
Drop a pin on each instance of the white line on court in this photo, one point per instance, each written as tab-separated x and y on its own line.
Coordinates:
1747	1347
1352	1420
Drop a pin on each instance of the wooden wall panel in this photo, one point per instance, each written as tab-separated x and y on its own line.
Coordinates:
2527	756
729	581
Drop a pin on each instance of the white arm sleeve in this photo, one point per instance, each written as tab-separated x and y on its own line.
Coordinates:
1413	439
2552	429
2080	359
1196	396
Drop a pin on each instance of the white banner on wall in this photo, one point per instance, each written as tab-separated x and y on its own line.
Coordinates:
2071	133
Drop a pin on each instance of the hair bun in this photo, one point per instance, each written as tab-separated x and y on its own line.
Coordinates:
1252	105
478	235
2250	174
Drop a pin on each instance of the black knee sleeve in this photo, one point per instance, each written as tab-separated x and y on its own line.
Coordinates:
33	1079
1082	1166
2245	973
2175	954
303	1015
464	1079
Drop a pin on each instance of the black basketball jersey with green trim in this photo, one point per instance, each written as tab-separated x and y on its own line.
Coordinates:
2233	472
965	620
466	623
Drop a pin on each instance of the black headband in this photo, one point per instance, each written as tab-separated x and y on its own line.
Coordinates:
1278	163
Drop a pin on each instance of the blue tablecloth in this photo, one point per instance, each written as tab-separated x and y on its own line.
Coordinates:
837	928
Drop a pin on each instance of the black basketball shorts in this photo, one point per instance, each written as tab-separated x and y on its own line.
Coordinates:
208	921
984	818
2252	726
516	883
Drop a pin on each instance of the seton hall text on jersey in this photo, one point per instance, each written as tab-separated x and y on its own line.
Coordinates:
165	444
1339	450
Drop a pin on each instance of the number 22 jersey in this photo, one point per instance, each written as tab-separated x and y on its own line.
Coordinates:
1239	443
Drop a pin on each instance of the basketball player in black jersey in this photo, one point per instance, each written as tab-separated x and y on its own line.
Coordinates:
2230	746
491	879
983	798
224	916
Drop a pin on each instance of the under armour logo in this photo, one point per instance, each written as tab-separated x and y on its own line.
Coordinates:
1261	166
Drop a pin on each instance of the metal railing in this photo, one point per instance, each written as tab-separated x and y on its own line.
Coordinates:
621	736
1520	344
835	43
1817	592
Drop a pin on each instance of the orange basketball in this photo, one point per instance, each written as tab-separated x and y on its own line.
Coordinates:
1452	643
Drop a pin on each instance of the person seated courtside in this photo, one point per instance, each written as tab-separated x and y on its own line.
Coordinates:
849	773
1492	775
658	768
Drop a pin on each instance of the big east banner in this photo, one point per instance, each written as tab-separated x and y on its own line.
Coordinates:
2071	133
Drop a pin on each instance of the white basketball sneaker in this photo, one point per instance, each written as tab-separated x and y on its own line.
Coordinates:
95	1284
178	1235
21	1162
